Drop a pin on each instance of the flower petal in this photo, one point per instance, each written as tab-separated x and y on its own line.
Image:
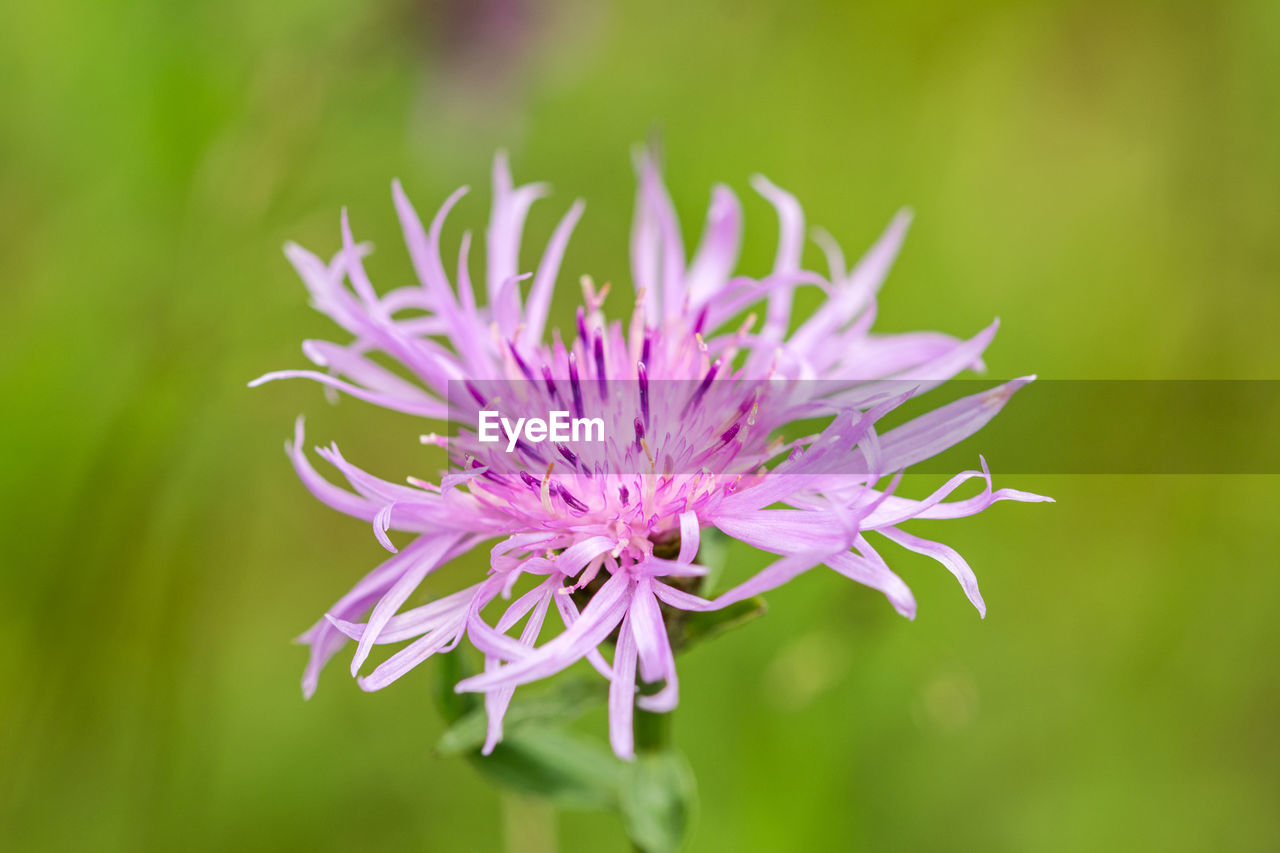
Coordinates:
622	692
424	560
597	622
946	555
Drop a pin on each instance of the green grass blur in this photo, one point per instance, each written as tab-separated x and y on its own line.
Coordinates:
1104	176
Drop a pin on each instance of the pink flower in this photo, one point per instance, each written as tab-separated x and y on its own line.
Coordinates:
605	533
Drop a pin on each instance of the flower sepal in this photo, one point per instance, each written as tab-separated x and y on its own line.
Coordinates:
696	628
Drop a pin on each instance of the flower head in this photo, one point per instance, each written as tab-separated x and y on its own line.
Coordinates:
691	392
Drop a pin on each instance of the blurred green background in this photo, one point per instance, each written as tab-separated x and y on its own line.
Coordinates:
1103	176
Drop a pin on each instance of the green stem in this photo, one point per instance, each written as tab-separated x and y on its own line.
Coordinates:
652	731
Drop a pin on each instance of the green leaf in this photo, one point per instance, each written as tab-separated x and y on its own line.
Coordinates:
560	704
570	770
699	627
658	801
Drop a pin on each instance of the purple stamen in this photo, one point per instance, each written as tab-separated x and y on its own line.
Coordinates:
574	385
551	383
602	379
569	455
702	388
644	391
524	448
569	499
474	463
524	368
701	322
